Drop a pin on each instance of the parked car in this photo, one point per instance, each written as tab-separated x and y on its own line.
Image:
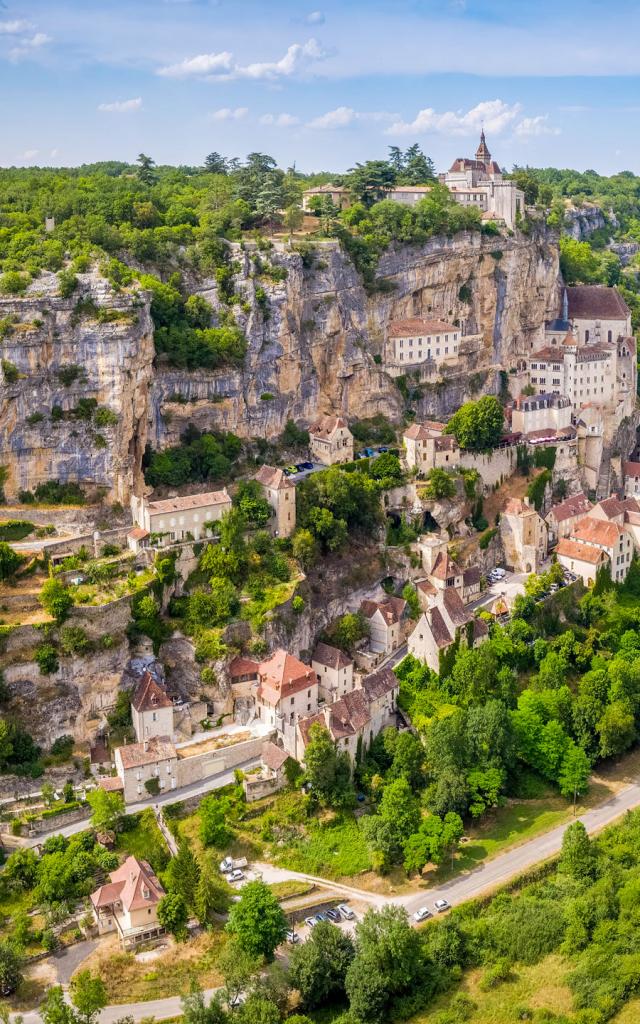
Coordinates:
369	452
236	876
321	916
306	465
422	914
291	470
361	455
501	573
333	915
383	449
292	937
442	905
311	921
229	864
346	912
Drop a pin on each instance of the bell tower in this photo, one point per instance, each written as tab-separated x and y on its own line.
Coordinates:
483	155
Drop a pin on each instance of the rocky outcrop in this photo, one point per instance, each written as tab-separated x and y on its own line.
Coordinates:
97	344
316	343
582	221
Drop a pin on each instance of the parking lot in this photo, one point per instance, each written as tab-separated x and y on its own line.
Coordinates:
303	469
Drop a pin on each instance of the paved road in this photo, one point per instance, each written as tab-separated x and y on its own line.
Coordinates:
487	876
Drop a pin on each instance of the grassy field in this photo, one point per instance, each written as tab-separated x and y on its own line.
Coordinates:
170	973
144	841
332	848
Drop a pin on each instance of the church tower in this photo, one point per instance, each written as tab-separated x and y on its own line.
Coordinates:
483	155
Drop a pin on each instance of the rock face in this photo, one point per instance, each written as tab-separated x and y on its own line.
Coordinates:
106	340
582	221
316	345
319	346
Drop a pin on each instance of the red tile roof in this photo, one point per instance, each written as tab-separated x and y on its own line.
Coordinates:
273	757
379	683
149	695
423	431
134	884
189	501
576	505
579	551
157	748
273	478
596	302
631	469
243	667
326	426
444	567
597	531
416	326
330	656
138	533
282	675
392	609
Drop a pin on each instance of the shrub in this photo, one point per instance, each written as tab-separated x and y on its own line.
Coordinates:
13	283
152	786
47	658
67	283
35	417
105	417
10	371
298	604
68	374
74	640
486	538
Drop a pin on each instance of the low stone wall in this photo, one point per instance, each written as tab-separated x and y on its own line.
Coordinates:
88	540
493	467
258	786
214	762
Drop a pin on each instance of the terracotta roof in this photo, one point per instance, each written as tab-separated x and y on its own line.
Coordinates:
158	748
446	443
416	326
274	478
379	683
330	656
595	302
148	695
444	567
326	426
454	608
283	675
111	784
564	434
273	757
138	533
189	501
589	353
423	431
438	628
243	667
597	531
392	609
463	163
99	752
349	714
576	505
426	586
631	469
579	551
549	354
471	576
612	507
134	884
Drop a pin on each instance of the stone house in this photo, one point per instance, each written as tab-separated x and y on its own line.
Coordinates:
151	710
334	670
128	903
417	344
562	517
479	183
524	536
438	628
426	447
287	689
610	537
471	578
354	720
386	619
271	776
177	519
331	441
631	473
280	492
543	412
137	763
597	313
582	559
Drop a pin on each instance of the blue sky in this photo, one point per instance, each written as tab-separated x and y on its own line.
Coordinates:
325	85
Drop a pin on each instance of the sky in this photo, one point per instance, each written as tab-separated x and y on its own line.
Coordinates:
321	86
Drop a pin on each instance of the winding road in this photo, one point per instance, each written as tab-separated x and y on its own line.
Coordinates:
485	877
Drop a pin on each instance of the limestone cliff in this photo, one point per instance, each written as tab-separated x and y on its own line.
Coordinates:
315	345
96	344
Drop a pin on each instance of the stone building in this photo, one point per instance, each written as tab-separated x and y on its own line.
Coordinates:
151	710
176	519
334	671
583	560
128	903
355	719
438	628
426	446
385	619
331	441
479	183
407	195
597	313
543	412
524	536
280	492
631	473
610	537
562	517
287	688
139	763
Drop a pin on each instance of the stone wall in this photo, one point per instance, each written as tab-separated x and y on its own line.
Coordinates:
213	762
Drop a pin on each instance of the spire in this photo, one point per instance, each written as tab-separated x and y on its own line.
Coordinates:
482	153
565	305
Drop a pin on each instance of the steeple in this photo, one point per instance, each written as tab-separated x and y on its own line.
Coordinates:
483	155
565	305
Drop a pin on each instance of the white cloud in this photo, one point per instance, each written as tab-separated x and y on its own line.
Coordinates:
29	45
13	28
343	117
533	126
222	66
495	115
227	114
53	154
30	154
280	120
121	106
315	18
199	67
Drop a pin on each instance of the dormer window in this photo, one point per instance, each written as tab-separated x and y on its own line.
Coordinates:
146	892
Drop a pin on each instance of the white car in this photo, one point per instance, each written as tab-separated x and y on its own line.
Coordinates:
236	876
292	937
442	905
347	912
422	914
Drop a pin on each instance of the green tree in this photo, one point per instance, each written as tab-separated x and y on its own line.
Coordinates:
398	817
214	811
577	856
478	425
436	839
389	963
211	897
318	967
196	1011
238	969
56	599
6	743
173	915
10	968
439	485
616	729
183	874
574	773
410	595
88	995
10	561
370	182
107	809
304	548
327	770
146	169
348	630
257	920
